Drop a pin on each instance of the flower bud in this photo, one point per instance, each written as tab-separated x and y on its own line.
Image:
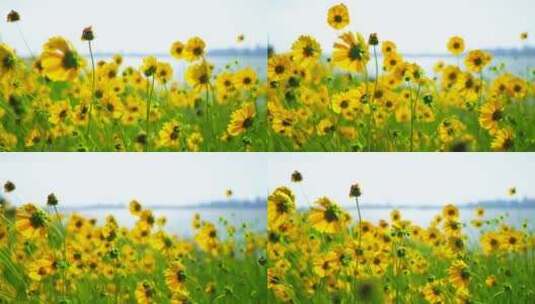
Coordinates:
87	34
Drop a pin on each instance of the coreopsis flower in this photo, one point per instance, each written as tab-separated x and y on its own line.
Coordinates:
328	217
194	49
492	114
456	45
245	79
351	52
177	50
338	16
242	119
175	276
8	61
279	67
503	140
31	222
477	60
198	75
149	66
207	238
306	50
60	61
145	292
280	207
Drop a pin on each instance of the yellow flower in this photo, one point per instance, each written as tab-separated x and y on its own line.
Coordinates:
503	140
145	293
477	60
456	45
31	222
149	66
41	268
279	67
388	48
59	60
177	50
169	135
245	79
198	75
175	276
491	115
459	274
8	61
524	36
164	72
328	217
194	49
242	119
338	16
351	53
280	207
207	239
306	50
194	141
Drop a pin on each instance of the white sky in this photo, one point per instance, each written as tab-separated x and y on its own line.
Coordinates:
136	25
415	25
115	178
151	26
405	178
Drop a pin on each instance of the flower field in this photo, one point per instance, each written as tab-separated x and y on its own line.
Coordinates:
60	100
325	255
49	257
366	96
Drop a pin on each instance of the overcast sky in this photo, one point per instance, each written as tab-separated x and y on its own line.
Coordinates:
152	178
136	25
405	178
415	25
151	26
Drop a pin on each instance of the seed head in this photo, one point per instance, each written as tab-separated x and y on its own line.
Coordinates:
9	187
297	177
355	191
373	40
52	200
13	16
87	34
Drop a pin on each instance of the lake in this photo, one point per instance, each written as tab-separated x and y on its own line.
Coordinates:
179	220
515	216
518	65
258	63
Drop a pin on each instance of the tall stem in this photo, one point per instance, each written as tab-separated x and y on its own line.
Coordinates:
147	122
25	42
360	229
93	85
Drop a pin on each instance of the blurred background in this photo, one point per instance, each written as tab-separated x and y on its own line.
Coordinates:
418	184
175	185
138	28
419	28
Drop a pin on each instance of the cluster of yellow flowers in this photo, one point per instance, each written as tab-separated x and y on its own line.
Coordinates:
321	255
334	104
57	101
49	257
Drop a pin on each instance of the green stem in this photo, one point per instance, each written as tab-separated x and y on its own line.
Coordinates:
147	122
93	85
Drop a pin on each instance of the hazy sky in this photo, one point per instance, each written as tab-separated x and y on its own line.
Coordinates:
136	25
404	178
415	25
152	178
151	26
